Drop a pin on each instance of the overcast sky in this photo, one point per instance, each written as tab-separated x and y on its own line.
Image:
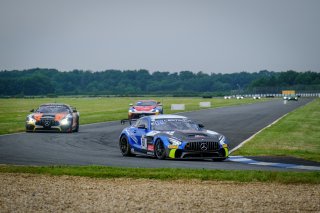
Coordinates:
213	36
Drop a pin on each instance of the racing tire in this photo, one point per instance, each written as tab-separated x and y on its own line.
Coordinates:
160	150
222	156
125	146
69	130
77	127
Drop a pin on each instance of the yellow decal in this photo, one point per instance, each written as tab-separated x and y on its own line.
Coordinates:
173	147
226	151
172	153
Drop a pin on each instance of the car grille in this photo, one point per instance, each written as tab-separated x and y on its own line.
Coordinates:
47	122
202	146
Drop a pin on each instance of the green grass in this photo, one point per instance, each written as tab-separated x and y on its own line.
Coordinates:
297	135
14	111
170	174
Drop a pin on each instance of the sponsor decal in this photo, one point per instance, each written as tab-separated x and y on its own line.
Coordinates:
212	132
173	146
150	147
172	153
132	136
170	133
199	136
152	133
143	142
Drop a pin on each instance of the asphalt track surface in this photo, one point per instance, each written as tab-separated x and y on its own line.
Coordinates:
97	144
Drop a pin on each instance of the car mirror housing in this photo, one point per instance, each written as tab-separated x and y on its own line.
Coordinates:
141	126
32	110
130	104
201	125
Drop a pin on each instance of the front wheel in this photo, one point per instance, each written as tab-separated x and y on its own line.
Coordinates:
125	146
160	151
77	126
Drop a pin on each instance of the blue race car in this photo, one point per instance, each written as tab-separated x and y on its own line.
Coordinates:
172	136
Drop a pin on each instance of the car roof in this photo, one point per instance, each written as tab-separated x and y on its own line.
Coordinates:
155	117
146	100
55	104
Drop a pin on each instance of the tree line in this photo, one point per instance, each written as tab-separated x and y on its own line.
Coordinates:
39	81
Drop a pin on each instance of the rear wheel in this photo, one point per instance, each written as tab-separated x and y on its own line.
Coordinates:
125	146
160	151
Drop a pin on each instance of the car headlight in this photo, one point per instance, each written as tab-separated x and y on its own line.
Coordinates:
156	111
222	139
174	141
66	120
30	120
132	110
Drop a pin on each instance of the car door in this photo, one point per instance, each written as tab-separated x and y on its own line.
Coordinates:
140	131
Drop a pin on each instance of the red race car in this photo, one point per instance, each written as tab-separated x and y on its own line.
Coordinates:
144	108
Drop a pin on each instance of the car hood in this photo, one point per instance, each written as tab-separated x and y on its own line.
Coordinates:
196	135
55	116
144	108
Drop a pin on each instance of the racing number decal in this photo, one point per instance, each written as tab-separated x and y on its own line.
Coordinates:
143	142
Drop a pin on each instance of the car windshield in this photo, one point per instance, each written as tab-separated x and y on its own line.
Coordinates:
173	124
146	103
52	109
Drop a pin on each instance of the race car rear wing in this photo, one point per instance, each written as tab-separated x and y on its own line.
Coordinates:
123	121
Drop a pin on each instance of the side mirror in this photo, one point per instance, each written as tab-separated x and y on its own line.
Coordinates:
142	126
159	104
130	104
32	110
73	109
201	125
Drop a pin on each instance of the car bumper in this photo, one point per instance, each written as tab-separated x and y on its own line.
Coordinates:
184	154
37	128
136	115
